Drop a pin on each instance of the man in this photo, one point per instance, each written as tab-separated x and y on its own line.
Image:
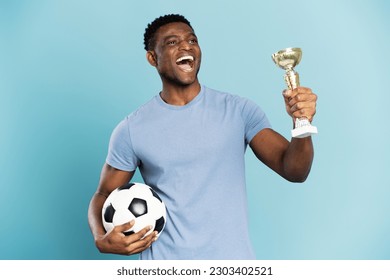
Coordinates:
189	143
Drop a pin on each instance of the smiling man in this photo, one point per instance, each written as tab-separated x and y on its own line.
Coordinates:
189	143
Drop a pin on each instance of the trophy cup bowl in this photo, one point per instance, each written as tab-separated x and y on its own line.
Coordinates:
287	59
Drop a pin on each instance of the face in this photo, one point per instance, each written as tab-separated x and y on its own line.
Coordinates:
176	54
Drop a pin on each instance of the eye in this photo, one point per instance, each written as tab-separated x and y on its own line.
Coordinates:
171	43
193	41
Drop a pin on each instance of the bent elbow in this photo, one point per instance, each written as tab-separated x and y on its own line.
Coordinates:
297	174
297	178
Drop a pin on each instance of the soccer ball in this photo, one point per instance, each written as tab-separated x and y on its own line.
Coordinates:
134	201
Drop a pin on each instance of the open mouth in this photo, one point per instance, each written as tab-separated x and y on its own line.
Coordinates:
186	63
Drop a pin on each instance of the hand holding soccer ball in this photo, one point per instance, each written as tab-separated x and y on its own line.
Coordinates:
134	201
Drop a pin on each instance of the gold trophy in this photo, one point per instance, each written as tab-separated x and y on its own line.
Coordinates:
287	59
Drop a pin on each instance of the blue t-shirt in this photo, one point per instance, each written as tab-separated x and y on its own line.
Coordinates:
193	156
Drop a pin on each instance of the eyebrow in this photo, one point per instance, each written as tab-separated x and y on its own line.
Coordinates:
190	34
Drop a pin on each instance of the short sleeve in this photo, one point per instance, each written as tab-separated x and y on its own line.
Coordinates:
120	151
255	119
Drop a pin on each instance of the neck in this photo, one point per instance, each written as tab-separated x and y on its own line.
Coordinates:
180	95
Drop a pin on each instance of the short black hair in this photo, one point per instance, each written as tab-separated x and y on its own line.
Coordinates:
152	27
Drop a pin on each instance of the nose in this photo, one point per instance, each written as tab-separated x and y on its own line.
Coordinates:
185	45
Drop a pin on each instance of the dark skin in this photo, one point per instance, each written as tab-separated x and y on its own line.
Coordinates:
290	159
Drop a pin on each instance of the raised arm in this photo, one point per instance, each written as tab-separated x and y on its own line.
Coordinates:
291	160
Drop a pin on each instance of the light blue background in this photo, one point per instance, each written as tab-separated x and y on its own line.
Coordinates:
71	70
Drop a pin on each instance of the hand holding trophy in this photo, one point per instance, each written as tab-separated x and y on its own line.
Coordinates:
287	59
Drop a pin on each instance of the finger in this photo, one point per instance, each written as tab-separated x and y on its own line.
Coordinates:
302	97
147	240
303	105
306	112
301	101
287	94
138	241
139	235
304	90
125	226
142	244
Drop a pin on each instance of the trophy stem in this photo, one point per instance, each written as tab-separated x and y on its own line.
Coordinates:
292	79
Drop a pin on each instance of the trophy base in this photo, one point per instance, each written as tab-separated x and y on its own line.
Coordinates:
304	131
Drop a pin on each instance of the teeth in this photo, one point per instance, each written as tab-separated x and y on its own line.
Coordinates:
187	57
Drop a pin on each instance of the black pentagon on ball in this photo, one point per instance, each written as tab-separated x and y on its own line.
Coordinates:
109	213
159	224
155	194
138	207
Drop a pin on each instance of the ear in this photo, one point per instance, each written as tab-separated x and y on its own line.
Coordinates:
151	57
